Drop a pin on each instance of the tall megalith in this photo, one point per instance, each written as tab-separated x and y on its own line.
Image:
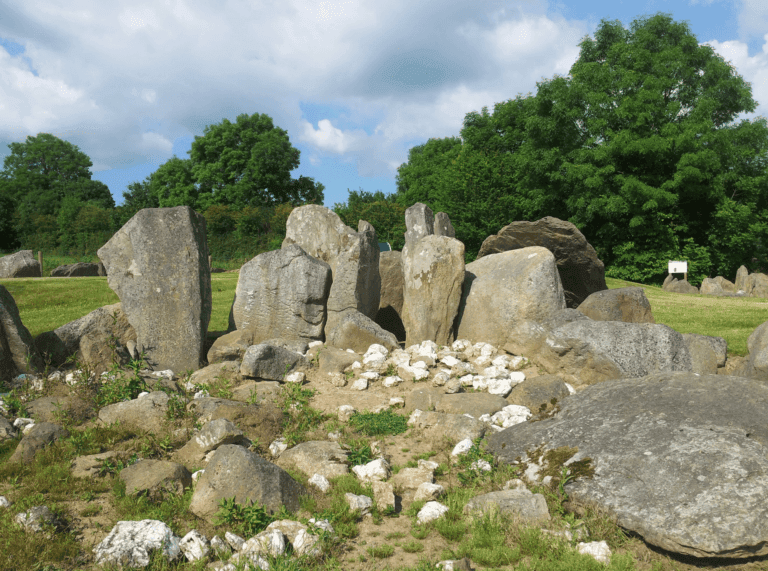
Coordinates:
157	264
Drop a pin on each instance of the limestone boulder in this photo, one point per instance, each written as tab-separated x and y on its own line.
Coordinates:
215	433
231	346
433	270
146	413
18	353
757	361
282	293
708	354
134	543
317	457
441	426
259	422
679	459
520	504
335	360
756	285
271	362
727	286
78	270
390	312
443	226
357	332
710	287
22	264
581	271
419	222
680	286
234	471
501	290
539	394
155	478
628	304
741	276
37	438
352	256
56	408
88	339
157	264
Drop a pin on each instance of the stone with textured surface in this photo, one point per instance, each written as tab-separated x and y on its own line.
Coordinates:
419	222
707	353
154	478
259	422
679	459
270	362
234	471
433	270
147	413
16	343
390	311
757	361
710	287
352	256
501	290
22	264
443	226
680	286
195	546
35	439
431	511
282	293
157	264
627	304
80	269
357	332
518	503
36	519
132	543
214	434
454	427
581	271
327	459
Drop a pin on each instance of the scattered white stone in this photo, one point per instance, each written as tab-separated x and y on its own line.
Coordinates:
361	503
597	549
360	384
428	492
268	542
431	511
195	546
167	374
142	394
484	349
483	361
322	524
397	402
320	482
441	377
415	416
511	415
235	541
4	502
351	351
461	345
297	377
450	361
570	388
278	447
375	355
219	546
56	376
345	412
196	476
501	387
451	565
532	473
374	471
256	562
400	358
496	372
517	362
371	375
516	484
428	465
357	365
462	447
468	380
314	344
517	377
481	466
201	395
130	543
21	422
306	543
392	381
334	436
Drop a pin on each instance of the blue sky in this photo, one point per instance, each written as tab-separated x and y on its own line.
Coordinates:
355	84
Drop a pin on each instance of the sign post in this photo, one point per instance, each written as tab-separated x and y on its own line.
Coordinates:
678	268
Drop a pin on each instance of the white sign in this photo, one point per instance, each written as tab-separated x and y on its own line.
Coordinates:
678	267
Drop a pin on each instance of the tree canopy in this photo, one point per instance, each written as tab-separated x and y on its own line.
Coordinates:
381	210
638	147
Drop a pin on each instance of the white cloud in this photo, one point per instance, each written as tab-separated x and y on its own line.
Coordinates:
753	17
753	69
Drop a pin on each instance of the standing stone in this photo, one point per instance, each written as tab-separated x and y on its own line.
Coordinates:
741	276
757	361
16	343
390	312
710	287
443	226
157	263
505	289
726	285
581	271
283	294
352	256
433	270
419	221
22	264
628	304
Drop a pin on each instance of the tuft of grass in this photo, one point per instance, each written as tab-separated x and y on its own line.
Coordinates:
381	551
378	423
413	546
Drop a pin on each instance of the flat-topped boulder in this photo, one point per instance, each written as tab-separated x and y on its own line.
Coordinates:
22	264
157	264
79	270
627	304
680	459
581	271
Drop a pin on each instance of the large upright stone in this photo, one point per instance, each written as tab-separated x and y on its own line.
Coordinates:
390	311
433	270
741	276
22	264
283	294
18	353
678	458
157	263
757	361
352	256
89	338
419	222
581	271
504	289
443	226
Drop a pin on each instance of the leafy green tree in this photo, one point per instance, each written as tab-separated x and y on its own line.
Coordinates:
383	211
65	222
248	163
8	236
173	184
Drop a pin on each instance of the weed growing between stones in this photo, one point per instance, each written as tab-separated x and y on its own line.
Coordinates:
247	519
299	418
379	423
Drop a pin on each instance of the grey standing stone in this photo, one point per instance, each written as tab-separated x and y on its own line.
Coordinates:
270	362
22	264
443	226
419	222
741	276
628	304
502	290
352	256
357	332
282	293
16	343
757	361
680	460
157	263
710	287
433	270
707	353
390	311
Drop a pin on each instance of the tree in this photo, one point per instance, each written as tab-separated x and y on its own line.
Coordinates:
383	211
173	184
248	163
8	238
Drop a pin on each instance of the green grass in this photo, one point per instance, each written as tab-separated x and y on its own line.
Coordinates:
732	318
47	303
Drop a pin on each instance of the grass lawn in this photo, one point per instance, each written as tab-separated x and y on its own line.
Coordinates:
48	303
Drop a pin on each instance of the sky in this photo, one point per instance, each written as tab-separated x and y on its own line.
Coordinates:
355	84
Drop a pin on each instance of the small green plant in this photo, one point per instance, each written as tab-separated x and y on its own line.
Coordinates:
378	423
248	519
381	551
391	370
413	546
359	452
177	407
